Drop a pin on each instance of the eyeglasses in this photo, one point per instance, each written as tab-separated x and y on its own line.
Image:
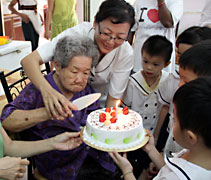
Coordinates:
106	36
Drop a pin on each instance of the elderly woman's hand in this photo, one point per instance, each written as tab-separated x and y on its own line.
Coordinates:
58	106
66	141
12	168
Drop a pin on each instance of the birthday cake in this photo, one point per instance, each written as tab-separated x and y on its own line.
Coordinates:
113	128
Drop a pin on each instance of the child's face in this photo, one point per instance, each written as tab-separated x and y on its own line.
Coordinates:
180	50
186	76
152	65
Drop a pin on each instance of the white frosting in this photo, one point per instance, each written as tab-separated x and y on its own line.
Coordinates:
126	132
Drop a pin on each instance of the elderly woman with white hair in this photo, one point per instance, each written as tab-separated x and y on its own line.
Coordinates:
73	59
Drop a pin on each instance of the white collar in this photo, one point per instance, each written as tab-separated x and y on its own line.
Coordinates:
186	170
139	81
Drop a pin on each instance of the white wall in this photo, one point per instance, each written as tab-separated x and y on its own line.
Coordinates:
192	13
80	11
94	6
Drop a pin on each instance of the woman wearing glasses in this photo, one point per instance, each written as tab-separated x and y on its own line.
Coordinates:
110	32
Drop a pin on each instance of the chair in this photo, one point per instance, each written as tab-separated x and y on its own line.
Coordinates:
13	89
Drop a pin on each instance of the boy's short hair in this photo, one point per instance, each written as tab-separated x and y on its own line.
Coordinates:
158	46
120	10
198	59
193	35
193	103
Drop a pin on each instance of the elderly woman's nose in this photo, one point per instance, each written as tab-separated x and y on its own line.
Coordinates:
79	77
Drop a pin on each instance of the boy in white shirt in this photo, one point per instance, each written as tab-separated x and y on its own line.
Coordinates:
192	123
141	95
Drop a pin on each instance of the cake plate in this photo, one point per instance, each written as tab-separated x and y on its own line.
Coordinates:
137	146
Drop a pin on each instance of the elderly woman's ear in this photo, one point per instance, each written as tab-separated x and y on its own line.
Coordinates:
56	65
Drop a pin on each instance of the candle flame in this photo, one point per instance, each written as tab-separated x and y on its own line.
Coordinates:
118	103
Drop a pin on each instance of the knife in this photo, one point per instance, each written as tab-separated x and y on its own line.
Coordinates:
87	100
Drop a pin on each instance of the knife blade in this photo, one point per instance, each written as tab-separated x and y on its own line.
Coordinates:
85	101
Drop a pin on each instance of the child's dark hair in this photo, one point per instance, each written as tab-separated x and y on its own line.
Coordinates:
192	102
198	59
120	10
194	35
158	46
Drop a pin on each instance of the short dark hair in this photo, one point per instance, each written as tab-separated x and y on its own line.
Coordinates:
198	59
158	46
193	102
120	10
193	35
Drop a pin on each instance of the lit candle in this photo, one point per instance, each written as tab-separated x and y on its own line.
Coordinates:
117	105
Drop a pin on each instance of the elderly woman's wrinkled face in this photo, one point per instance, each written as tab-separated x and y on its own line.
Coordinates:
74	77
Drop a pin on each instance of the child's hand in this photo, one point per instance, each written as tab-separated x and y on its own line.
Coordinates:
150	144
122	162
66	141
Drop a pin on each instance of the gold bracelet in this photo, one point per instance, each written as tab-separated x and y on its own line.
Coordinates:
123	175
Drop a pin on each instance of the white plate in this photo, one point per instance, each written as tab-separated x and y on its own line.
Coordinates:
87	100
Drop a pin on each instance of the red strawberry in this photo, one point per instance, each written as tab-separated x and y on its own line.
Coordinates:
113	120
102	120
102	117
113	114
108	110
125	110
114	108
